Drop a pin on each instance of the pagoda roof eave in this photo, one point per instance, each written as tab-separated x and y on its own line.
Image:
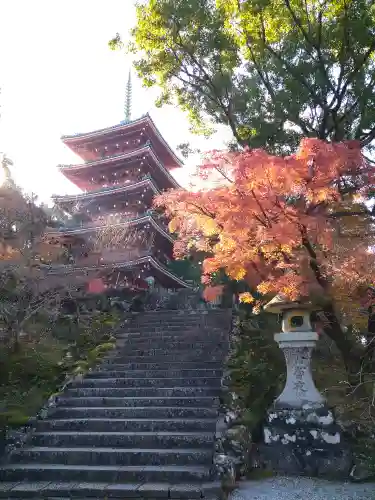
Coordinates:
145	149
120	265
106	191
81	230
66	139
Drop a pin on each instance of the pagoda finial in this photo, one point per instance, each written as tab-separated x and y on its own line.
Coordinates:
128	98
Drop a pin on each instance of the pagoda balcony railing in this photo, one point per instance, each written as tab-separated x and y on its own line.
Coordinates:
128	184
108	256
104	156
140	147
77	226
107	189
145	149
131	257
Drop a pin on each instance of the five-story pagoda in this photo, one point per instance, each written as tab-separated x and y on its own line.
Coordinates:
112	230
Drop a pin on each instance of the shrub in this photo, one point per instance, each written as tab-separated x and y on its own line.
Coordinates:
257	369
30	374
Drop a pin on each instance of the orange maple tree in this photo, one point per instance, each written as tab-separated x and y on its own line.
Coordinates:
300	225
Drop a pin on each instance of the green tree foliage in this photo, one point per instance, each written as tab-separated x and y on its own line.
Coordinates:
271	70
186	269
256	367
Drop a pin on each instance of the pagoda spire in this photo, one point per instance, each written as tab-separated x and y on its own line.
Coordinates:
128	98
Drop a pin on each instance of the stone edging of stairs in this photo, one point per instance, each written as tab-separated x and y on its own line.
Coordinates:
232	439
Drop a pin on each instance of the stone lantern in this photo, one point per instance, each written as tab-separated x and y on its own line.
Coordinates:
297	342
300	434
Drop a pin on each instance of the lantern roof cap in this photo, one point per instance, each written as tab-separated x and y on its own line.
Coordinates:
281	303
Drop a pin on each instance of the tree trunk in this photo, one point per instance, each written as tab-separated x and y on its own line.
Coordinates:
369	357
352	353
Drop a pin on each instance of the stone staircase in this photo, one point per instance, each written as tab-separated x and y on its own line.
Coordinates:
141	425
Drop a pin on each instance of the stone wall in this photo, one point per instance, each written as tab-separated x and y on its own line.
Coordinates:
232	439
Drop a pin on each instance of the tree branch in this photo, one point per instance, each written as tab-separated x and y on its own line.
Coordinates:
309	41
313	259
291	70
268	86
353	73
209	82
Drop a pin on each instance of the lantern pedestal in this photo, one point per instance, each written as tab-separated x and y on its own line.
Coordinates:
300	434
299	388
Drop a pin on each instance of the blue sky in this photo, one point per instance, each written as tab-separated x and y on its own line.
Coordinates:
58	77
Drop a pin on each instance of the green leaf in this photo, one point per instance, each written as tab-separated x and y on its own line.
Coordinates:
271	71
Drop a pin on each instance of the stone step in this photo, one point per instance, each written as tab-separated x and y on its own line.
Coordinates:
182	336
100	473
116	357
183	354
142	392
188	365
165	347
185	402
200	353
178	326
150	440
126	425
166	323
107	372
198	326
175	313
159	330
147	382
180	313
166	354
46	489
201	319
140	425
135	412
112	456
211	315
182	351
167	314
178	330
171	320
